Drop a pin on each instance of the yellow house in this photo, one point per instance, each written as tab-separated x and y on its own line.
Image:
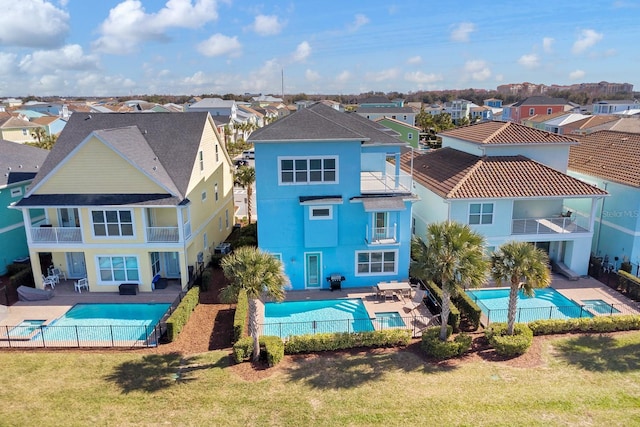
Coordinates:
130	196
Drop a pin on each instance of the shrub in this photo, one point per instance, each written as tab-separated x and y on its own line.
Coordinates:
509	345
242	349
215	260
273	348
207	276
629	284
625	266
240	317
22	277
469	309
433	346
586	324
16	268
454	315
345	340
181	314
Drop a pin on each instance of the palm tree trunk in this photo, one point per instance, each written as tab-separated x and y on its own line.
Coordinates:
249	194
513	306
444	315
254	328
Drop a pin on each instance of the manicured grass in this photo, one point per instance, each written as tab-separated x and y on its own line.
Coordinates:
585	380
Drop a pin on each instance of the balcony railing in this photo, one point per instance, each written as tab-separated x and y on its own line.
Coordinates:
381	235
555	225
56	235
187	229
163	234
377	182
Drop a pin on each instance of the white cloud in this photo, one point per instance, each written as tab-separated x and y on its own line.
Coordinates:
70	57
267	25
414	60
586	39
302	52
529	61
343	77
7	64
219	44
128	24
499	77
462	31
380	76
359	21
477	69
420	77
576	75
547	43
312	76
32	23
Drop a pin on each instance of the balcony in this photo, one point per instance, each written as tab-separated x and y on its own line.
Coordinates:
381	183
555	225
56	235
163	234
381	235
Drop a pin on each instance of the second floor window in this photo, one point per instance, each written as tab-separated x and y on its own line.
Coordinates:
112	223
306	170
480	213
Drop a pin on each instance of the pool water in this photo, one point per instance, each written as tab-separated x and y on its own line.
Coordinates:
94	323
26	328
600	306
391	319
313	317
547	303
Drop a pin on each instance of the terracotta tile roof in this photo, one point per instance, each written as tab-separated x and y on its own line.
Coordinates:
579	126
608	154
45	120
505	133
453	174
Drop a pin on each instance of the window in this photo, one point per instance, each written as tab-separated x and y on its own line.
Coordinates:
226	218
404	117
205	241
24	132
112	223
16	192
308	170
155	263
549	110
201	160
532	111
413	226
118	269
277	256
320	212
410	135
204	196
217	155
375	262
480	213
215	191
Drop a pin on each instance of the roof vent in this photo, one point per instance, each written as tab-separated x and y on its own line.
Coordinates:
19	166
88	117
155	168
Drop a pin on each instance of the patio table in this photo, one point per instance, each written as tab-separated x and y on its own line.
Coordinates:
402	288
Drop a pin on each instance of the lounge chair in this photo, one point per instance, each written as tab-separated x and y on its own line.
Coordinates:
416	301
49	280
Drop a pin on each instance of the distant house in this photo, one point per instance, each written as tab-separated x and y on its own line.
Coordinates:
405	132
616	106
52	125
215	107
610	161
403	114
52	109
19	164
587	125
17	129
557	124
331	198
493	102
379	101
130	196
534	105
508	182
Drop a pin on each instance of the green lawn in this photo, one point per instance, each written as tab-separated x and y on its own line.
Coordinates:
585	380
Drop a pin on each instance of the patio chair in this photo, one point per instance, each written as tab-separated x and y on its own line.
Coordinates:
389	294
416	301
80	284
49	280
56	272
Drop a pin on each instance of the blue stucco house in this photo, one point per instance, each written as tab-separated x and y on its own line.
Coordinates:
331	198
19	164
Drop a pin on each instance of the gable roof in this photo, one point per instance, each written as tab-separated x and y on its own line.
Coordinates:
398	122
14	122
385	110
454	174
19	162
588	122
167	140
609	155
322	123
540	118
498	133
213	103
540	100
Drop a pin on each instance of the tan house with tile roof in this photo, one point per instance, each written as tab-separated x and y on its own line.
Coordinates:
508	182
610	160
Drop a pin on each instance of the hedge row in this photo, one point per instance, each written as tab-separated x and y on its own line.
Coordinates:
240	317
181	315
207	276
433	346
345	340
273	349
22	277
629	285
454	315
586	324
469	309
509	345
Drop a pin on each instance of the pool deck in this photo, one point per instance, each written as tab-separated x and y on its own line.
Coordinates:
65	297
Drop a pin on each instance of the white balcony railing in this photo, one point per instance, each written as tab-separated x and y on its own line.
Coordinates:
163	234
556	225
56	235
187	229
377	182
381	235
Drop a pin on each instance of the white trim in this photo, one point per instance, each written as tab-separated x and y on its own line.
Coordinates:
313	217
381	273
120	236
11	227
16	192
308	169
111	256
306	277
481	213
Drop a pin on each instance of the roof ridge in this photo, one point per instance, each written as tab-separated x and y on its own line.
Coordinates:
466	176
497	132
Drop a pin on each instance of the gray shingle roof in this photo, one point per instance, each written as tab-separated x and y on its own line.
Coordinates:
43	200
321	123
19	162
172	139
386	110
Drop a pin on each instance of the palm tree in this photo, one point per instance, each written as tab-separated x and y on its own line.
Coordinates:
525	267
246	176
260	274
452	257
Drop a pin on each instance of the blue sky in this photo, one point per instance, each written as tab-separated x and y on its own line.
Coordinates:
126	47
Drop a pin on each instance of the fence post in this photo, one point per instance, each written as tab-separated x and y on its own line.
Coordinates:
551	312
42	335
113	344
8	336
77	336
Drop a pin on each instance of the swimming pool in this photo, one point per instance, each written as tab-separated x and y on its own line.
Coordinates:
104	324
289	318
600	306
547	303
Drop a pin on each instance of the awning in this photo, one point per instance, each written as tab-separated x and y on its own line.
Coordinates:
376	204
